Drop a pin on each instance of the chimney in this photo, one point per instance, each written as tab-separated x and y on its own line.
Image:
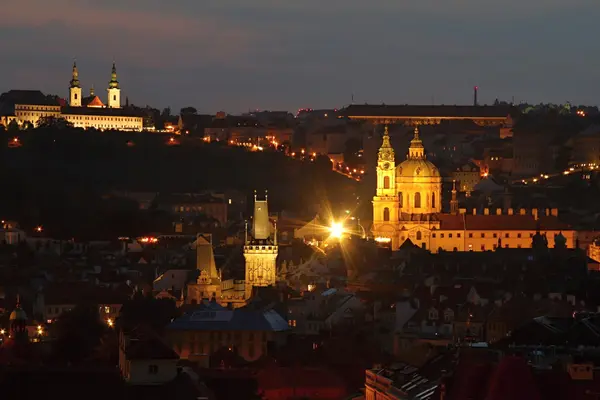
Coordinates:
475	96
498	211
511	211
523	211
554	212
474	211
486	211
534	212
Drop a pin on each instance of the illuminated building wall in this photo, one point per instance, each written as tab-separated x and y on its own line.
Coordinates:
409	207
32	113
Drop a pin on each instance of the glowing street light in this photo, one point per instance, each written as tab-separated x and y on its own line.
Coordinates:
39	229
337	230
2	331
110	322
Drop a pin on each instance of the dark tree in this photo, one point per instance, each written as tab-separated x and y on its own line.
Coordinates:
148	311
188	110
78	332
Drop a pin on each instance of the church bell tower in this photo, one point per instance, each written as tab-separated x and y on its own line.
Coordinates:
75	88
260	251
114	92
385	201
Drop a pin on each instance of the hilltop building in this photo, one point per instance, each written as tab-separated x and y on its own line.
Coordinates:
28	106
260	254
408	205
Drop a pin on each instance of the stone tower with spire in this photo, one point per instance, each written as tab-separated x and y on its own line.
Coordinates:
75	88
208	284
385	201
453	200
261	249
114	92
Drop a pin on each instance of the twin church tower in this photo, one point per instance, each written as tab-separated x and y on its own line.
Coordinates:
114	92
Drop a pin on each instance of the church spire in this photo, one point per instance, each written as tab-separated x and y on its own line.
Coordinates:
114	83
416	149
454	200
75	77
261	227
386	151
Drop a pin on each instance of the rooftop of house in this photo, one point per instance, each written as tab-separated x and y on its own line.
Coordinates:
146	345
203	319
357	110
419	383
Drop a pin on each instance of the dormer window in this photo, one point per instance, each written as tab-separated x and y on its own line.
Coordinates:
448	315
433	314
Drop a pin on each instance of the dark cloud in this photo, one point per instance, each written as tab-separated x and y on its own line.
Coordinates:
235	55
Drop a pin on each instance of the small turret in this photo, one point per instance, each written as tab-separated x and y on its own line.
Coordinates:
454	200
18	321
416	150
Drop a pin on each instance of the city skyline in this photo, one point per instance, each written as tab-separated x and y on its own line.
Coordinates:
235	57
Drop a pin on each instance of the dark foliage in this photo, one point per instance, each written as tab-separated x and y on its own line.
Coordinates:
78	333
60	177
149	312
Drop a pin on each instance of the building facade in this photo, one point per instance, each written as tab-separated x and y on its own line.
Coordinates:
24	106
408	205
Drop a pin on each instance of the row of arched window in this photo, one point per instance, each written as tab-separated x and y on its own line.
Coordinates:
417	204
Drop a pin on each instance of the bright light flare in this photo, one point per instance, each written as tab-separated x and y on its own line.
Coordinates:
110	322
337	230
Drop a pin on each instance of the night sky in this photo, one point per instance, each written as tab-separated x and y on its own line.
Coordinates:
236	55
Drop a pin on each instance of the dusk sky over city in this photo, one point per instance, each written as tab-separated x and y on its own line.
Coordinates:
234	55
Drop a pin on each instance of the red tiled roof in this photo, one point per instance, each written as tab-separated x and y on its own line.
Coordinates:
95	102
500	222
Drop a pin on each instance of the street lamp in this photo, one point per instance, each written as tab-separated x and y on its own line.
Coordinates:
336	229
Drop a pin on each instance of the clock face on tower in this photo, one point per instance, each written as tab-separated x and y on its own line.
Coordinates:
386	165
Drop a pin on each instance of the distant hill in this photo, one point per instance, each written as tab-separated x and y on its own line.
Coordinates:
54	169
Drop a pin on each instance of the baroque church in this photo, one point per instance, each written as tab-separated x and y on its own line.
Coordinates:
90	111
408	205
30	106
260	255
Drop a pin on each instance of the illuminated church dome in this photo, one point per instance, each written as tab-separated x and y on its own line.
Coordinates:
418	181
416	164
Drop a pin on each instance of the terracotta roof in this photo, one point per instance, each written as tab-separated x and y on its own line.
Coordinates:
95	102
500	222
426	111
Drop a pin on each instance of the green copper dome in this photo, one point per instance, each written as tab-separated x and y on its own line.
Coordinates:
75	78
114	83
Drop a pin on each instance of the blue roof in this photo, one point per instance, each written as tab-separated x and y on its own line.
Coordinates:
207	319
